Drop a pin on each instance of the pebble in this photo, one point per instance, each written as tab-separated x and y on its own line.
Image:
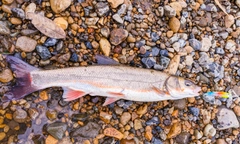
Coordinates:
221	141
50	42
91	21
59	6
176	46
105	32
122	9
115	3
176	6
194	111
183	138
30	8
6	76
118	35
137	124
169	11
206	44
196	44
236	109
15	21
219	51
105	117
229	21
51	115
125	117
197	134
20	116
179	104
4	30
7	1
189	60
226	119
204	59
206	116
43	52
230	45
105	46
2	135
101	8
51	140
175	130
173	65
174	24
57	129
117	18
61	22
126	141
26	44
154	36
131	39
164	62
148	62
209	131
64	58
90	130
148	133
19	13
112	132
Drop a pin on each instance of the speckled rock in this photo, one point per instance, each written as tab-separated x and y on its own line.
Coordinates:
118	35
91	21
196	44
26	44
43	52
112	132
226	119
105	117
206	44
59	6
17	12
4	30
101	8
169	11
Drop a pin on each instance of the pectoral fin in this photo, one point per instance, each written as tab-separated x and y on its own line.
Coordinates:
160	92
71	94
110	100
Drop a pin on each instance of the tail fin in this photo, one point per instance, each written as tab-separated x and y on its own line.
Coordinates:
22	86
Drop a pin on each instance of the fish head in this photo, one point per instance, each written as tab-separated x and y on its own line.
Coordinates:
180	88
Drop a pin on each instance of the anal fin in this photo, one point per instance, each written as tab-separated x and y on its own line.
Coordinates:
110	100
71	94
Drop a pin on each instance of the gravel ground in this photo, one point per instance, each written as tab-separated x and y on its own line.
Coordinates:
198	40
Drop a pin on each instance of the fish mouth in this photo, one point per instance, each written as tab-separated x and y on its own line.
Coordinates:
197	90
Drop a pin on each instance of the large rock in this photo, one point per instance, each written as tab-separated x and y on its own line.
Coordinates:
226	119
57	129
117	36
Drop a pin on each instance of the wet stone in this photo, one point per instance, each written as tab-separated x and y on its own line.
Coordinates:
148	62
50	42
183	138
90	130
57	129
80	117
43	52
101	8
194	111
20	116
196	44
17	12
153	121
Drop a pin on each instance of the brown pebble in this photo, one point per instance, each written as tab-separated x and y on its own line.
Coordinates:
221	141
191	99
50	140
6	76
105	117
15	21
43	95
148	133
2	135
7	1
174	24
236	109
60	21
175	130
112	132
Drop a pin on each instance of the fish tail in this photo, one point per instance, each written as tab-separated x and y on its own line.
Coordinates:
23	82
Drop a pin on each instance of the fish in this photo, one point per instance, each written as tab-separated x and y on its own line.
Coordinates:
218	94
108	78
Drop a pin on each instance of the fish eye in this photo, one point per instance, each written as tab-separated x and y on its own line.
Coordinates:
188	83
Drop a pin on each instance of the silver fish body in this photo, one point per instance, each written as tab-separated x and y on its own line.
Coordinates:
114	82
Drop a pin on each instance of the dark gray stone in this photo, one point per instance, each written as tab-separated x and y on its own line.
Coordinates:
43	52
57	129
